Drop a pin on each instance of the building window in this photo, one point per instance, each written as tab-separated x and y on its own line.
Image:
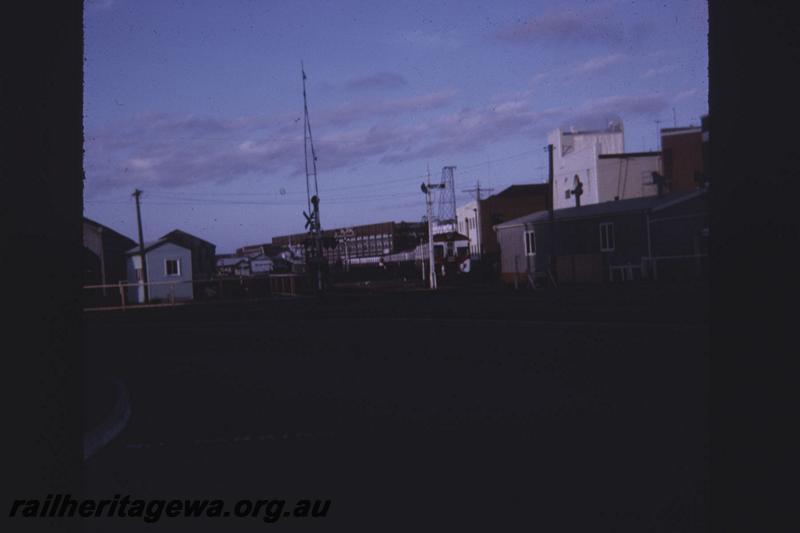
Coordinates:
530	243
607	237
172	267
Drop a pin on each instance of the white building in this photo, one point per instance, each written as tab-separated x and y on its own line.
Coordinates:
468	224
261	265
597	160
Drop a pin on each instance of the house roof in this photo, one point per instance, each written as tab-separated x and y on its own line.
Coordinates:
153	244
647	203
180	233
106	229
231	261
628	154
524	189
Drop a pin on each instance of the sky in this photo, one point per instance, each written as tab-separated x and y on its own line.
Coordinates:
199	103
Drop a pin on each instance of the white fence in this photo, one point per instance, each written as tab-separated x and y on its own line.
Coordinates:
118	296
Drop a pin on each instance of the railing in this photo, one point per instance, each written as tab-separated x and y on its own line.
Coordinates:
671	266
124	295
118	299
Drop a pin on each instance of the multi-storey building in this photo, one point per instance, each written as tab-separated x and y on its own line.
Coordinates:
595	163
367	240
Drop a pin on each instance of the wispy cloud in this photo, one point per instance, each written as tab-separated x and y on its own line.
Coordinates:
354	111
380	80
169	151
598	64
659	71
172	150
685	94
591	24
426	39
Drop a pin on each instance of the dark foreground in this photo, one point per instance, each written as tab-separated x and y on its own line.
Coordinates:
579	410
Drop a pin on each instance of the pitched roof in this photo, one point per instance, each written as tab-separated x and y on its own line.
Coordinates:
647	203
231	261
524	189
106	229
153	244
180	234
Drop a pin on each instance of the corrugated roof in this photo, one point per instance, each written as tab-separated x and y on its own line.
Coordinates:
646	203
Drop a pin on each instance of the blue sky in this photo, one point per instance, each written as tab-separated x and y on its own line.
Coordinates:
197	102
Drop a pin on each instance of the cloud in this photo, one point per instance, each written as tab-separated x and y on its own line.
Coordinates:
381	80
685	94
425	39
598	64
666	69
595	24
170	150
354	111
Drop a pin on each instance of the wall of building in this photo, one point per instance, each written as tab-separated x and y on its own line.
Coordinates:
579	240
261	266
468	224
626	177
156	272
582	163
514	262
109	247
682	158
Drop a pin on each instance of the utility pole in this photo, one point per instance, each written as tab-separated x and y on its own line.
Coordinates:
477	190
136	194
674	119
422	262
550	214
427	190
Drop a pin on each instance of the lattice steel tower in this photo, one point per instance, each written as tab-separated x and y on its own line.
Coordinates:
447	199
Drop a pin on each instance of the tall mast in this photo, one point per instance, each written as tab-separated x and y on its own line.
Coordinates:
312	218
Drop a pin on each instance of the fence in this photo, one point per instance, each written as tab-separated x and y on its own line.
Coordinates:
124	295
675	267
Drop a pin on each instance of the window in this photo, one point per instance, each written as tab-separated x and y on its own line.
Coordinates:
530	243
607	237
172	267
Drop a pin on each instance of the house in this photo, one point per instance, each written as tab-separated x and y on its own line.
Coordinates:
169	272
104	254
591	167
255	250
233	265
203	253
649	237
261	265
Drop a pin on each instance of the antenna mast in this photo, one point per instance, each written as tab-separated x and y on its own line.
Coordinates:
316	257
